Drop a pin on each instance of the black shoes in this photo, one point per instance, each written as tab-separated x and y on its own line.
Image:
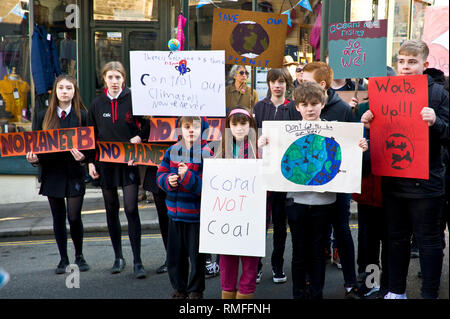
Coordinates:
162	269
139	271
81	263
61	268
118	267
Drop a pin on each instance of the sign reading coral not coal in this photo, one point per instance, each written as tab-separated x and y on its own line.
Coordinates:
250	38
312	156
233	208
180	83
357	49
398	135
47	141
141	153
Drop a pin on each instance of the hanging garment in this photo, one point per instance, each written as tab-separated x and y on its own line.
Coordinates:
15	96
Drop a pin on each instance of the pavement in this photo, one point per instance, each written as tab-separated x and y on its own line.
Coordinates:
35	219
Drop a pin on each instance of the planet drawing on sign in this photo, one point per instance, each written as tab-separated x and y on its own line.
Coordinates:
312	160
249	39
182	67
398	151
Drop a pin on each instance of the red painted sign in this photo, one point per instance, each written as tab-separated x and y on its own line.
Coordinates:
398	135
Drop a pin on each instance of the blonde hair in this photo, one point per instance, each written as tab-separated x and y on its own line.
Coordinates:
414	48
114	66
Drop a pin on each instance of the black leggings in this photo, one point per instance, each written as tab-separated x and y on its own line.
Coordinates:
58	208
112	205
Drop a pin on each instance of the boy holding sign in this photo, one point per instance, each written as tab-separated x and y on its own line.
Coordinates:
414	205
180	176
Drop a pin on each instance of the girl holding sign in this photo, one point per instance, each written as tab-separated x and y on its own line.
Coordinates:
239	142
111	115
62	174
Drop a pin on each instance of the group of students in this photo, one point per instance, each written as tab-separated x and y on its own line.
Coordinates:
403	206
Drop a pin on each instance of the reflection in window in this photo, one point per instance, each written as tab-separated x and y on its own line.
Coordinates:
108	47
130	10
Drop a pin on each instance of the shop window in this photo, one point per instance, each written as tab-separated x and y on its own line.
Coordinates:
130	10
108	47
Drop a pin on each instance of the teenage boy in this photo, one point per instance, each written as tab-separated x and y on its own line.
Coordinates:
273	108
309	212
414	206
335	109
180	176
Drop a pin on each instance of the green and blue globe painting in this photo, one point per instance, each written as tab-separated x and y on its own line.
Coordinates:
312	160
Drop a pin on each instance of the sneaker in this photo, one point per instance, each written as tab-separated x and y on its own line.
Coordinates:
353	293
195	295
279	277
139	271
178	294
391	295
61	268
212	269
81	263
258	277
414	252
4	278
328	256
336	259
372	292
162	269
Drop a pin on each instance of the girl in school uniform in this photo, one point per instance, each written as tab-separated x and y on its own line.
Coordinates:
239	142
62	174
111	115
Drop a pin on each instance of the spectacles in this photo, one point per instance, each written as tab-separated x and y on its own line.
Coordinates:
298	70
243	72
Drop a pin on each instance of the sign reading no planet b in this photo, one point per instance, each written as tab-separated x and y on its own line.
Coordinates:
140	153
180	83
233	208
48	141
357	49
250	38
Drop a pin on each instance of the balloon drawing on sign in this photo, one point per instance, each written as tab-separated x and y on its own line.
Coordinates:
249	39
398	151
174	45
312	160
182	67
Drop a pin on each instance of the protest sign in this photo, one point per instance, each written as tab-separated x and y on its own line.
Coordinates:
313	156
233	208
47	141
249	37
435	35
179	83
162	129
398	135
140	153
357	49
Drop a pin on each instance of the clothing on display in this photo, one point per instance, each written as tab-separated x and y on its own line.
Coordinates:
14	92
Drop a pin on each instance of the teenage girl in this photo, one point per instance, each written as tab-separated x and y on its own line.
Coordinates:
62	174
239	142
111	115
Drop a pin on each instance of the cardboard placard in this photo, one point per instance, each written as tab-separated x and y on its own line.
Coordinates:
47	141
315	156
162	129
142	153
357	49
250	38
398	135
180	83
233	208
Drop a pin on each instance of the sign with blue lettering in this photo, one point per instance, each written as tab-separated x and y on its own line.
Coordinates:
250	38
357	49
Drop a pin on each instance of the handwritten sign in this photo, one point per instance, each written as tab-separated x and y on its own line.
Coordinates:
250	38
357	49
180	83
162	129
233	208
47	141
398	135
142	153
312	156
436	37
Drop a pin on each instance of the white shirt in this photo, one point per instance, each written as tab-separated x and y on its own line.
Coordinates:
67	110
110	96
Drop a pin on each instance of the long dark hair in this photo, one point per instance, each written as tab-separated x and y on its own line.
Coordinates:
228	140
51	119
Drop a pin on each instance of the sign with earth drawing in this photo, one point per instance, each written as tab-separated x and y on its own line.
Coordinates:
250	38
312	156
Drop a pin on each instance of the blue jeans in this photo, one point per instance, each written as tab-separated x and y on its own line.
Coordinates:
421	217
340	222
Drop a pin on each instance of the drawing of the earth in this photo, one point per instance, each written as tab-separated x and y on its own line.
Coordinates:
249	39
311	160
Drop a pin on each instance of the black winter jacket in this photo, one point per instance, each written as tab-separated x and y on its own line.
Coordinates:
265	110
438	137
